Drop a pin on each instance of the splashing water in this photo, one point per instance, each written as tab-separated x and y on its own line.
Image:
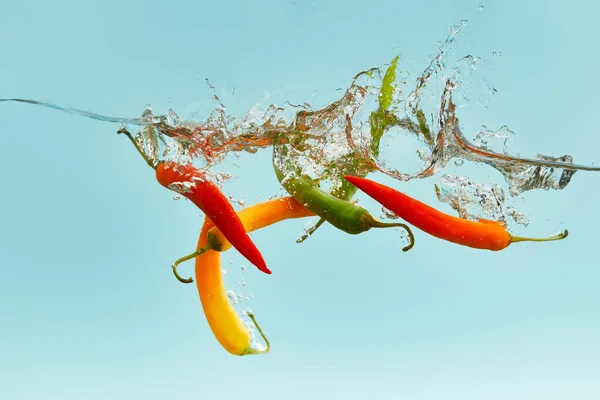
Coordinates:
345	137
474	201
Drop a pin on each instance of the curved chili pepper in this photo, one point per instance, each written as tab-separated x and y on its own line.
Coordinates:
222	318
342	214
482	234
254	217
380	121
192	183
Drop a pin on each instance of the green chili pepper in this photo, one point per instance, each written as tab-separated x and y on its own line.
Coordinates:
423	127
380	120
342	214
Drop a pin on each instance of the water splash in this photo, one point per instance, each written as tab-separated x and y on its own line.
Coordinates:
475	201
422	128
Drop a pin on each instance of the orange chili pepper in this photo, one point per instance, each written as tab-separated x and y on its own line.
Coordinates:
482	234
194	185
222	318
253	217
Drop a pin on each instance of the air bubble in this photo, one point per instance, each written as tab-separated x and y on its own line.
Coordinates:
232	296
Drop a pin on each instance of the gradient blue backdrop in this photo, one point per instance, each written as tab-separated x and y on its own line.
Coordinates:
89	308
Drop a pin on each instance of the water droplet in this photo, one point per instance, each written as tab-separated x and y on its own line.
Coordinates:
232	296
459	161
177	197
463	22
481	7
385	213
242	202
243	267
517	216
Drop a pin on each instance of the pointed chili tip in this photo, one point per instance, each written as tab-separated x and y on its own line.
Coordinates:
266	270
262	266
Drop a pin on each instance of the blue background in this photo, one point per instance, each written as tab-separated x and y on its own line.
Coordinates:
89	308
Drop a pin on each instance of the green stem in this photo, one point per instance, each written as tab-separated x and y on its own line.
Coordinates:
411	237
262	334
151	163
560	236
183	259
310	231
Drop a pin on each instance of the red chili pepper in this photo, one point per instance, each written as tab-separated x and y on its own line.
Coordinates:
193	184
484	234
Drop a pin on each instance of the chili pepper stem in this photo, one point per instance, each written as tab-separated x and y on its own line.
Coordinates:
262	334
560	236
183	259
378	224
152	164
310	231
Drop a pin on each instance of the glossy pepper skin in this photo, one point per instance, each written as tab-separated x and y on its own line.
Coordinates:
259	216
342	214
253	217
191	183
222	318
488	235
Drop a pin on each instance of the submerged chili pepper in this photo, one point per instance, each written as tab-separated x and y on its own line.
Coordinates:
222	318
192	183
344	215
254	217
485	234
380	121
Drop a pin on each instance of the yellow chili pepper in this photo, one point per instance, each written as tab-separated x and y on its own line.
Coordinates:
253	217
226	325
222	318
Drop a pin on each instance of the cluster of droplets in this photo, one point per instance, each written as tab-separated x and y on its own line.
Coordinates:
324	144
344	137
238	298
474	201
